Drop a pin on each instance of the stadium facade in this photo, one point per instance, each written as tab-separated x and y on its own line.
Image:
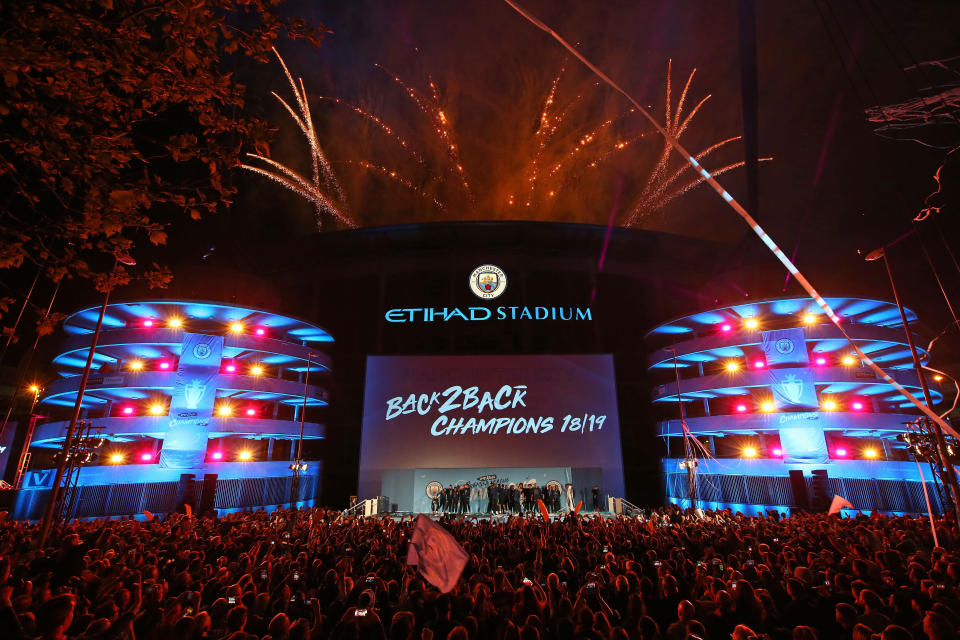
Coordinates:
771	388
184	398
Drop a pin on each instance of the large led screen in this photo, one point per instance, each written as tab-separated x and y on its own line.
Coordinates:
515	418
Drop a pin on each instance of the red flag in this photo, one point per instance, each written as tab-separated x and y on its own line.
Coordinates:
148	515
543	510
188	509
576	509
438	556
839	503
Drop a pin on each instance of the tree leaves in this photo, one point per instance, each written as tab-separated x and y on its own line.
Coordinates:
120	119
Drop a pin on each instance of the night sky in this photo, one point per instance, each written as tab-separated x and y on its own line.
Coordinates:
833	184
833	188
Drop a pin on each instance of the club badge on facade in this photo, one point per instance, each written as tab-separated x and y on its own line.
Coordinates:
785	346
488	282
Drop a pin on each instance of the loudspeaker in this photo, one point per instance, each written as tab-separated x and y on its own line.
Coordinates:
821	490
208	494
185	492
799	486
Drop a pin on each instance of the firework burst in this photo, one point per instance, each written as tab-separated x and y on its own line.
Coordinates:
557	169
323	190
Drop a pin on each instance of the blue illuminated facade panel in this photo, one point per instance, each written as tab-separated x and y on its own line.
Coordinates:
187	386
774	384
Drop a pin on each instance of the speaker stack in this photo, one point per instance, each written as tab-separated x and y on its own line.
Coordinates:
799	486
186	492
821	490
208	494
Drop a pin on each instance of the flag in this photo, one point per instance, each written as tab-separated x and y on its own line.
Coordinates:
785	346
188	509
839	503
576	509
543	510
438	556
148	515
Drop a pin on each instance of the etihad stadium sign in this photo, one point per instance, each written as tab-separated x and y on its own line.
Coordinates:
487	282
479	314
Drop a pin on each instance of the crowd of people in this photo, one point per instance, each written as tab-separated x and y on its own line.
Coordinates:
313	574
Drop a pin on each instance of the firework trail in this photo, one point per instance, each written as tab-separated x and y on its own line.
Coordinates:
657	192
397	177
378	122
583	142
432	108
548	126
323	190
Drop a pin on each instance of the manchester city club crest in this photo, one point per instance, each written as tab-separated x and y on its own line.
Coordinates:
785	346
488	282
433	489
202	351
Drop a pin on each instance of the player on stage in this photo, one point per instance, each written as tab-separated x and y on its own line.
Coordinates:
492	498
570	495
596	497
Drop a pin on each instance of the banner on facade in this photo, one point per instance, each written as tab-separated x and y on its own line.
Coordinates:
191	406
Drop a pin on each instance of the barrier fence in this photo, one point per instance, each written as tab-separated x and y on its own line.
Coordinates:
868	494
160	497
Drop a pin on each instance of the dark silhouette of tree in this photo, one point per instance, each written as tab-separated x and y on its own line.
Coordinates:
118	119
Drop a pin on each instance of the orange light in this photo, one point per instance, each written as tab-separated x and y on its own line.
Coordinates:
136	365
870	453
174	323
938	377
157	409
732	366
751	323
116	458
767	406
236	327
256	370
34	388
245	455
224	410
749	452
809	319
848	361
829	405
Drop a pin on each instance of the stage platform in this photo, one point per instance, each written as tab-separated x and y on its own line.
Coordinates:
495	517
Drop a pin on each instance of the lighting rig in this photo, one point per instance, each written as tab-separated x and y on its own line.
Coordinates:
921	442
82	450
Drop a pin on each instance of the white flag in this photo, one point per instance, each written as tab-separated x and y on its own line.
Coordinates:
839	502
438	556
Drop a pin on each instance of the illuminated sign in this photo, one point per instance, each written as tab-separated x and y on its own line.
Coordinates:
476	314
487	282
